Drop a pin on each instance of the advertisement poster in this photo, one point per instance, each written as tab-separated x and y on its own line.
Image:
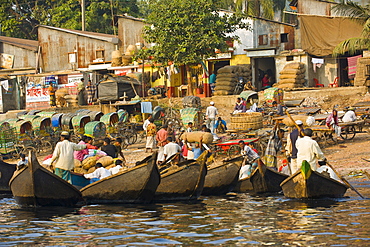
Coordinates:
37	94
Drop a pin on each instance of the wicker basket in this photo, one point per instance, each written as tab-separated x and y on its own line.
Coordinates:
247	117
246	126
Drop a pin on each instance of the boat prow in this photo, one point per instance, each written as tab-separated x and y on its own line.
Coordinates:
306	183
6	173
222	176
266	180
34	185
183	182
133	185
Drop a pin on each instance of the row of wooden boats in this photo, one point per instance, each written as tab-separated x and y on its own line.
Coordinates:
34	185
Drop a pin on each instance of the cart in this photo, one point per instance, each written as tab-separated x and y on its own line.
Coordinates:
230	148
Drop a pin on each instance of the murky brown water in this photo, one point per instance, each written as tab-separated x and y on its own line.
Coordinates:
240	219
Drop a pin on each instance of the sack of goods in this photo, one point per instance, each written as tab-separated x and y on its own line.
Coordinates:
197	136
246	120
292	76
228	76
307	120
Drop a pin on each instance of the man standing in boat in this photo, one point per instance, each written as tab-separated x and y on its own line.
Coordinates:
250	158
63	155
161	139
291	150
308	150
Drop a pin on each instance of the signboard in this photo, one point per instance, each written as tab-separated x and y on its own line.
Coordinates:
74	79
261	53
37	94
6	61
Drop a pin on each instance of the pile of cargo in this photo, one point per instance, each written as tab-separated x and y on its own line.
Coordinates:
228	77
292	76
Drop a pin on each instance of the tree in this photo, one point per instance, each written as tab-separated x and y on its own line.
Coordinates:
359	14
19	18
188	31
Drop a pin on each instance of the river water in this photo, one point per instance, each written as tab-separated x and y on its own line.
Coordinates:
236	219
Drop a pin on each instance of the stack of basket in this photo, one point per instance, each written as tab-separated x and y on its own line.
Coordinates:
228	76
246	120
292	76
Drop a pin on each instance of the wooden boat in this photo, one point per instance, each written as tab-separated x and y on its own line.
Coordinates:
307	183
6	173
222	176
265	179
182	182
34	185
134	185
243	185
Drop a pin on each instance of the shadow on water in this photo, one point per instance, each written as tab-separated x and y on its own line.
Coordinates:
43	213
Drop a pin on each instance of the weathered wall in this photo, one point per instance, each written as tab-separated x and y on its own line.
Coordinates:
129	31
23	58
240	59
55	46
325	74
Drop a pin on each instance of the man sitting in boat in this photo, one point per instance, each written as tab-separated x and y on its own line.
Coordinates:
171	148
308	150
326	170
117	168
98	174
249	162
22	162
87	140
108	148
63	155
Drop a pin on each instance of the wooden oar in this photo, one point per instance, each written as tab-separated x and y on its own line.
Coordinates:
345	181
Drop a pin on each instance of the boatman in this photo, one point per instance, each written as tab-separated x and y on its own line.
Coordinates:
291	150
308	150
250	157
63	155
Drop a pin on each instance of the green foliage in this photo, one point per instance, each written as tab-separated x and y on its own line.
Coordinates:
188	31
20	18
360	14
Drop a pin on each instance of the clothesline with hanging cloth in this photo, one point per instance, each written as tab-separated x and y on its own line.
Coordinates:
352	64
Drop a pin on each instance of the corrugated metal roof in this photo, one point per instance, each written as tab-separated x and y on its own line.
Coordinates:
22	43
93	35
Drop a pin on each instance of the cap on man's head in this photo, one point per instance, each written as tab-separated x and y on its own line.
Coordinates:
64	133
298	122
211	103
351	108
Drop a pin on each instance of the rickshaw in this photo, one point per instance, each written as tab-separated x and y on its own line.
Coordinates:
79	122
23	139
43	134
193	115
66	121
48	114
97	130
95	115
110	120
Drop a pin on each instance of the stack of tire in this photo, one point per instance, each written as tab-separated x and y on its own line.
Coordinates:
228	76
292	76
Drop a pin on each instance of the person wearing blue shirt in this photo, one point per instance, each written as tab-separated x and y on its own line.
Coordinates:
220	125
197	150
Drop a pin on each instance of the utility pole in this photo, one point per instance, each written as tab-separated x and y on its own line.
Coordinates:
83	14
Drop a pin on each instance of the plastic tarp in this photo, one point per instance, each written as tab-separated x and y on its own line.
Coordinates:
273	94
321	34
189	115
114	87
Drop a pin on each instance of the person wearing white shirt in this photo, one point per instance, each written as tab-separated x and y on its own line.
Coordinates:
171	148
349	116
147	122
64	156
22	162
323	168
211	113
98	174
117	168
308	150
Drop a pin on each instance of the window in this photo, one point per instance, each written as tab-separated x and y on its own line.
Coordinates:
284	37
99	54
262	39
289	58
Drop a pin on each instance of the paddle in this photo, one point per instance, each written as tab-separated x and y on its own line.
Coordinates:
345	180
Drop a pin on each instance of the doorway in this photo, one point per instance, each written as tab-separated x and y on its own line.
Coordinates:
264	66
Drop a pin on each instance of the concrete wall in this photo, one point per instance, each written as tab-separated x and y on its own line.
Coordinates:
331	92
55	46
23	58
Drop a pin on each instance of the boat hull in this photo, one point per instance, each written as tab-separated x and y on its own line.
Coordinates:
6	173
316	186
266	180
182	183
34	185
222	177
135	185
243	185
